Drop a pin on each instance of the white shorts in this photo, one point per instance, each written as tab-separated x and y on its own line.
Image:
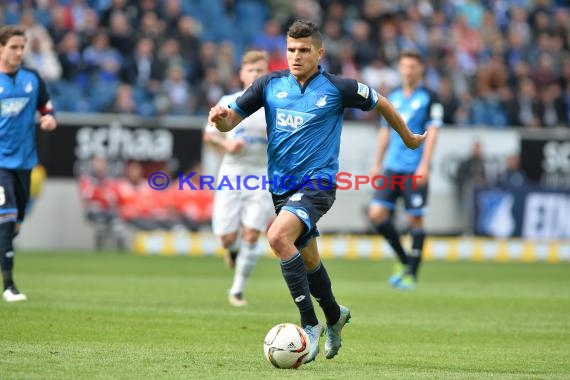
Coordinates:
234	208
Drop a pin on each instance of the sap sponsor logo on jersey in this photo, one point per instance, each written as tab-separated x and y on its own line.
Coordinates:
291	120
12	106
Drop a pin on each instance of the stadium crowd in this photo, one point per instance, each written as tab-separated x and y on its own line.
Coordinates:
496	63
112	203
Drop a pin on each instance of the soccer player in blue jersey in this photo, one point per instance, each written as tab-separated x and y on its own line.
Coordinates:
22	94
420	110
304	109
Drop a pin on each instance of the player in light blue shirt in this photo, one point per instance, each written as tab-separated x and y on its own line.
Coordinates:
304	108
22	94
419	108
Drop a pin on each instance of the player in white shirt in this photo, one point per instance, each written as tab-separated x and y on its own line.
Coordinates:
240	216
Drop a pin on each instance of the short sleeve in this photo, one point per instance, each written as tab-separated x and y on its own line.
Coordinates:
252	99
354	93
436	112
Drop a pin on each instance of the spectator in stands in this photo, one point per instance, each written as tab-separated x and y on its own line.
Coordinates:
124	7
143	7
471	173
104	63
188	36
512	176
332	39
127	102
78	11
364	48
60	24
272	40
449	102
194	207
135	198
99	203
211	90
142	70
225	61
176	97
69	94
43	60
121	34
169	55
380	76
488	108
523	107
171	14
551	108
37	31
151	26
89	28
566	101
530	37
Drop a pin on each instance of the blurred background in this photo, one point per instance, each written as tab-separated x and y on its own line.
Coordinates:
132	82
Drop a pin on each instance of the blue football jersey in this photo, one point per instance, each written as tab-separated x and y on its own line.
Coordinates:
420	110
21	95
303	123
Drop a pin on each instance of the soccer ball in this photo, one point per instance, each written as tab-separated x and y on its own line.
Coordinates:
286	345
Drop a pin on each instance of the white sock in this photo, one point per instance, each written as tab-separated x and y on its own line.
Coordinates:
245	263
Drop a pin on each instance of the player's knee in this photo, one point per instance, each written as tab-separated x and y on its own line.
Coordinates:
229	239
378	214
250	235
278	241
416	222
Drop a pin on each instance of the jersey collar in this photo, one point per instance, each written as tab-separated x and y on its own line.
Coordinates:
320	70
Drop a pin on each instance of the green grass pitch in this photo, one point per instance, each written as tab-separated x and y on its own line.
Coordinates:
115	316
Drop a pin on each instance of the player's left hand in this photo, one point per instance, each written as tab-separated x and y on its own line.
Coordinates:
48	123
415	141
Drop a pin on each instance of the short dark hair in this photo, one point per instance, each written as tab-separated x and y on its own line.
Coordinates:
410	53
304	29
9	31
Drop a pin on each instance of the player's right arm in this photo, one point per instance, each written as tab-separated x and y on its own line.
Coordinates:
224	118
387	110
219	140
359	95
